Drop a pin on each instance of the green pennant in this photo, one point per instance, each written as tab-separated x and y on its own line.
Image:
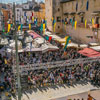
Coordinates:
3	30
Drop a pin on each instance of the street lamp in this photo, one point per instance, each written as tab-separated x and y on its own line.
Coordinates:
17	58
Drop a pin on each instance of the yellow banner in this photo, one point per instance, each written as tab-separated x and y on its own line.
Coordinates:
75	24
92	21
54	27
29	26
32	19
43	26
85	23
19	27
9	26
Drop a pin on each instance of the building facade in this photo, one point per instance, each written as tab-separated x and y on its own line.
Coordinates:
85	12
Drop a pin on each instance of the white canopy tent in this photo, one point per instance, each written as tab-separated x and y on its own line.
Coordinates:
96	48
4	41
28	39
94	44
12	44
83	45
71	45
48	47
40	40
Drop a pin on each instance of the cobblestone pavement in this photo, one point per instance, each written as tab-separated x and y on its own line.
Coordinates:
56	92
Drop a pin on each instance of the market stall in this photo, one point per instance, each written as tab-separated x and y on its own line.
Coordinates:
89	52
96	48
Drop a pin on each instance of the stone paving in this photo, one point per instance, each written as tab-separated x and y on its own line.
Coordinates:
56	92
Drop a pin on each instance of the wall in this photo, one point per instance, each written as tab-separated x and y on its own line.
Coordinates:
49	13
80	33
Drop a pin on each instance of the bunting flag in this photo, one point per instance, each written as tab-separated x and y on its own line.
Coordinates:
46	23
47	38
68	38
76	5
85	23
54	26
75	24
87	5
92	21
29	26
3	30
19	27
44	27
9	26
52	18
5	61
32	19
41	28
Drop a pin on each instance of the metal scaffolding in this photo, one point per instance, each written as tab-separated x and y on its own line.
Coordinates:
56	64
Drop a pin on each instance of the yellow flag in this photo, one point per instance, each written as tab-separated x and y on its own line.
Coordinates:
75	24
43	26
9	26
85	23
19	27
33	19
5	61
92	21
52	18
54	27
29	26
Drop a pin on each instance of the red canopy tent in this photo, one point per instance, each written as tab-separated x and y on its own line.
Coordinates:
89	52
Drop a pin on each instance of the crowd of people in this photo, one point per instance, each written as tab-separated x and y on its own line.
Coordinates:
69	75
51	56
7	80
46	77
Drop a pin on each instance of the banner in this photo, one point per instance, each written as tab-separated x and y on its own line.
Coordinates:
54	26
44	27
92	21
29	26
19	27
9	26
85	23
75	24
32	19
68	38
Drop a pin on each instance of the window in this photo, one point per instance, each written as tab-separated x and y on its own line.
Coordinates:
58	9
59	19
82	19
97	20
58	27
74	18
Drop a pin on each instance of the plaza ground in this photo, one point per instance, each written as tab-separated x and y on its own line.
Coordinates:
61	91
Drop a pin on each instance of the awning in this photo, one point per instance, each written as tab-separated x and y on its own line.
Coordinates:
66	13
95	13
83	45
72	13
93	44
81	13
89	52
48	47
96	48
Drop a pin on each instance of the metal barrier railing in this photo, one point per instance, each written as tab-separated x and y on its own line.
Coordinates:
55	64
